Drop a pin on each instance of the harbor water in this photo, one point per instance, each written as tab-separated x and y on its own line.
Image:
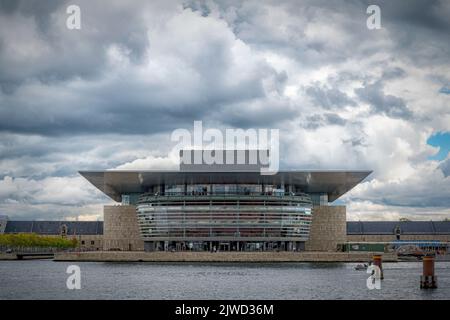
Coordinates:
46	279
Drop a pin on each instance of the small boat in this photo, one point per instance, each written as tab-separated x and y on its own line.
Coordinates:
361	267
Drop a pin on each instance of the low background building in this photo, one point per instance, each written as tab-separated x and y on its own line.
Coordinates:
90	234
388	231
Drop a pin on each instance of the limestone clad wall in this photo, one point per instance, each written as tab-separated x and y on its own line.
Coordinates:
120	229
88	242
328	228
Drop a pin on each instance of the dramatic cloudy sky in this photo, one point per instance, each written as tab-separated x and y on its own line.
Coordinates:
109	95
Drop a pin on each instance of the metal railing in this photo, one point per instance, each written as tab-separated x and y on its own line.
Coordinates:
298	197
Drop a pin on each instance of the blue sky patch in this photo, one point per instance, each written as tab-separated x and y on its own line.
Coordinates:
441	140
445	90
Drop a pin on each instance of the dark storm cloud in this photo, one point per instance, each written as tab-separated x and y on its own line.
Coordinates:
418	29
429	15
390	105
80	117
327	119
334	119
66	54
40	10
356	142
53	107
329	98
112	92
393	73
111	108
114	109
252	22
445	167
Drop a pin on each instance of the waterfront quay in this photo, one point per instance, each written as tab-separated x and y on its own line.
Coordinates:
257	257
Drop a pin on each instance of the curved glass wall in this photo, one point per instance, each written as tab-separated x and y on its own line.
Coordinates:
212	212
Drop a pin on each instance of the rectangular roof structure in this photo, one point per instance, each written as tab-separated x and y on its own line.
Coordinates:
115	183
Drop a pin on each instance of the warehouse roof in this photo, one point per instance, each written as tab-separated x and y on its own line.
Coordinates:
54	227
390	227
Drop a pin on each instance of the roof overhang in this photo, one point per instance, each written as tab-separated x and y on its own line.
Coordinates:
115	183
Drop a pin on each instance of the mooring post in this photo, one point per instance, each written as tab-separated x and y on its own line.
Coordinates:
377	261
428	280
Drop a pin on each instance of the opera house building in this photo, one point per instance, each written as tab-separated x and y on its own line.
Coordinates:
226	208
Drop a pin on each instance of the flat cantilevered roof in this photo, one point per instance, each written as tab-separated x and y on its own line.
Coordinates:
115	183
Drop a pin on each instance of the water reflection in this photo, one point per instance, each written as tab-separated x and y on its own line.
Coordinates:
47	280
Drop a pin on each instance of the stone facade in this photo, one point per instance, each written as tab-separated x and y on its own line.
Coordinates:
88	242
328	228
121	230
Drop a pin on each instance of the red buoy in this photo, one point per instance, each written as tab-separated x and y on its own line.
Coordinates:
428	280
377	261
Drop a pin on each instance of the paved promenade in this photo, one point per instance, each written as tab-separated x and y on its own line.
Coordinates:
137	256
8	256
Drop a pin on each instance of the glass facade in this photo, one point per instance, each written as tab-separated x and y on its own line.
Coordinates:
319	199
234	217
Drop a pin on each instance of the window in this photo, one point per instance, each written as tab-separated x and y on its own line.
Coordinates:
125	200
92	242
82	242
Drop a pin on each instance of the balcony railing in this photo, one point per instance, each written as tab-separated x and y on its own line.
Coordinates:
303	197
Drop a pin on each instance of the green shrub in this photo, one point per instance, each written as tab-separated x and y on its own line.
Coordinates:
35	240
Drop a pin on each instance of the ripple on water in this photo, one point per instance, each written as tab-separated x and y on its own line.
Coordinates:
43	279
